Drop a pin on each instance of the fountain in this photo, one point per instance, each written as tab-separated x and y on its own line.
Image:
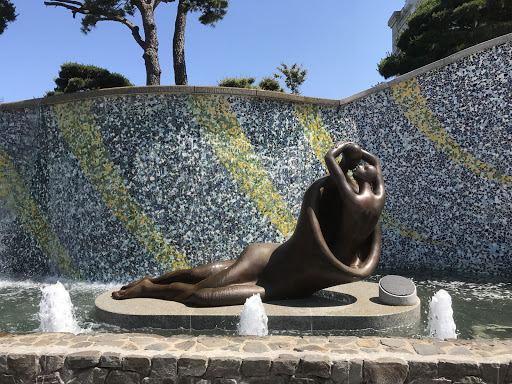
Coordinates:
253	319
56	312
440	317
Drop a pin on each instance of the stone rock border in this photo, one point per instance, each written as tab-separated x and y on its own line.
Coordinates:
144	358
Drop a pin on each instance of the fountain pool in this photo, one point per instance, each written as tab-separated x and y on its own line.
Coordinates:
481	305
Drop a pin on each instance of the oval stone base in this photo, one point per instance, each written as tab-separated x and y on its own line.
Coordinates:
343	307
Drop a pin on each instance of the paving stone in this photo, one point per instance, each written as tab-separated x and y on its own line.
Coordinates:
393	343
23	365
192	365
427	350
316	366
213	342
111	360
164	366
254	347
285	365
460	351
368	343
342	340
157	347
185	345
223	367
256	366
123	377
91	376
224	381
351	352
83	359
427	380
386	371
52	362
51	378
141	364
469	380
310	348
264	380
456	370
339	371
279	346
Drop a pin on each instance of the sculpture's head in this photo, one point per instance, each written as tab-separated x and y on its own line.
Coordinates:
365	173
351	156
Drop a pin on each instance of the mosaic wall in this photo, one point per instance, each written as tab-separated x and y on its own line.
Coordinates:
115	187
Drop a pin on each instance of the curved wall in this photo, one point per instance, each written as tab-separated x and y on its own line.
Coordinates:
111	185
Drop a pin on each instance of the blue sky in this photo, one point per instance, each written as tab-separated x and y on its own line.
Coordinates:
339	43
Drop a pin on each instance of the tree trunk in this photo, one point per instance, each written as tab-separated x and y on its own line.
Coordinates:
178	45
150	55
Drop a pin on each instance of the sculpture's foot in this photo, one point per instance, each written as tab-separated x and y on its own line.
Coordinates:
134	283
136	289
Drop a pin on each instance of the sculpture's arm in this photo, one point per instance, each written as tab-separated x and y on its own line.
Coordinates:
336	172
379	182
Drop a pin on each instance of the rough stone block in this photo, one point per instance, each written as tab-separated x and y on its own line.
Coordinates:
52	362
355	371
159	380
456	370
111	360
285	365
493	372
189	365
422	369
192	380
264	380
427	380
224	381
23	365
256	366
7	379
302	380
508	374
123	377
164	366
141	364
316	366
3	363
83	359
51	378
224	367
339	371
470	380
90	376
386	371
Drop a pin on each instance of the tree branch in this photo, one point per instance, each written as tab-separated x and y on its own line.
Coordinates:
74	9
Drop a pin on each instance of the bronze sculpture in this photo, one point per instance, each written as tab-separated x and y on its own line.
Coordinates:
337	240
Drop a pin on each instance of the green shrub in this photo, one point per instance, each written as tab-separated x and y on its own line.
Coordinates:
270	84
74	77
237	82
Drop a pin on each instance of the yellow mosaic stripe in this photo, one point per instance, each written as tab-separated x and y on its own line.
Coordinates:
314	130
20	202
237	154
321	142
415	108
83	136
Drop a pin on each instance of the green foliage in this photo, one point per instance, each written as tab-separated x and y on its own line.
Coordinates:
293	76
270	84
237	82
439	28
7	14
74	77
211	10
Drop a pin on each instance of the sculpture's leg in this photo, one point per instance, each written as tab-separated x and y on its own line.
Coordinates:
192	275
230	295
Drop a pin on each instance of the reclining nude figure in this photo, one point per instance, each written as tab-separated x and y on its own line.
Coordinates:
337	240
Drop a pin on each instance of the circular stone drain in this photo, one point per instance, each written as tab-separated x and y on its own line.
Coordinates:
397	290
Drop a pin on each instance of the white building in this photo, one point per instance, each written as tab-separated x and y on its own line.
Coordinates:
397	21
